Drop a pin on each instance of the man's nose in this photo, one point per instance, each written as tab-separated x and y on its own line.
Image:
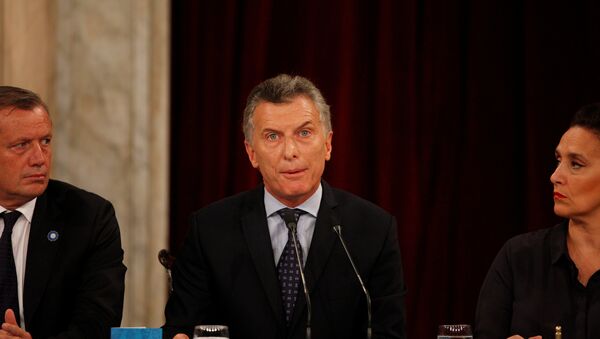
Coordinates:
290	148
38	155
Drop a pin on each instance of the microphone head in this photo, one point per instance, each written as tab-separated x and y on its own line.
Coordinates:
337	229
165	258
292	226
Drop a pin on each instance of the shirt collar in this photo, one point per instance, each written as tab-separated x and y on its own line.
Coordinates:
310	206
26	209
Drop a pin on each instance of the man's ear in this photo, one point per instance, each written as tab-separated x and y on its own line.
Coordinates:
328	145
251	154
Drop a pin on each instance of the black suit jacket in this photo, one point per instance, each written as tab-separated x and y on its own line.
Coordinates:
226	272
74	285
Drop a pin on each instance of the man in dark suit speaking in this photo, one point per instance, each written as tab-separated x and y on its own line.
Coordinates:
61	262
238	266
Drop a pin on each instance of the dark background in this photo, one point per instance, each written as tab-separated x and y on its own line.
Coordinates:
445	113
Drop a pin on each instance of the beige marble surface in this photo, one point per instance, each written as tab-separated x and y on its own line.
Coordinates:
104	70
27	45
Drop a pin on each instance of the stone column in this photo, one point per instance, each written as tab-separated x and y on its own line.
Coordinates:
112	128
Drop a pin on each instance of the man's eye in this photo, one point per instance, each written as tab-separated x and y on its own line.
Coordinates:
46	141
576	165
304	133
20	145
271	136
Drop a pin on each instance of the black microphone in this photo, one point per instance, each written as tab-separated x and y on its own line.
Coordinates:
166	259
337	228
292	226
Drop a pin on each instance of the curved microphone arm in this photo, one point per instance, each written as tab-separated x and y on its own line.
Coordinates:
292	227
338	231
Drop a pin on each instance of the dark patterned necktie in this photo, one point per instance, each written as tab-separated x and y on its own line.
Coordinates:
9	297
287	267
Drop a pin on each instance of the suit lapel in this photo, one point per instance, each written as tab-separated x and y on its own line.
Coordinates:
40	253
320	250
256	233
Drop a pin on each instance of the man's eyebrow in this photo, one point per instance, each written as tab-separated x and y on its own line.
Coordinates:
306	124
268	129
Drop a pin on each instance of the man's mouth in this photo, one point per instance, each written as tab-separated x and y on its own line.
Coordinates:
294	172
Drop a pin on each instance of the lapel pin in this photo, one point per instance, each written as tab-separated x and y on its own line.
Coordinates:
52	235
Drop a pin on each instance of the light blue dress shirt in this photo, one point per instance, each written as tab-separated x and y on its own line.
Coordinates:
306	224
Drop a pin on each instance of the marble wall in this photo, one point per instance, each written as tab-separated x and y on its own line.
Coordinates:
27	40
105	69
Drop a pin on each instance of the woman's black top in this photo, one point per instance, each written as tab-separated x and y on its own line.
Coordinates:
532	287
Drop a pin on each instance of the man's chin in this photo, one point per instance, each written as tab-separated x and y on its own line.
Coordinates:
298	196
35	189
16	199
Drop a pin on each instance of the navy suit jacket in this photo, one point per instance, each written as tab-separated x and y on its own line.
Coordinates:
74	285
226	272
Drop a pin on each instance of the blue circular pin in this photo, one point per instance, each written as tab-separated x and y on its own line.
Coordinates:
52	236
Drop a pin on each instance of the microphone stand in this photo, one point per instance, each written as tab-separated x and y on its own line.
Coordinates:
293	227
338	231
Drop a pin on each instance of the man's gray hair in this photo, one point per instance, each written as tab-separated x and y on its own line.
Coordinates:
281	89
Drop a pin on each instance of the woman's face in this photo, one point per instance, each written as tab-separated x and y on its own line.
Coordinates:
576	179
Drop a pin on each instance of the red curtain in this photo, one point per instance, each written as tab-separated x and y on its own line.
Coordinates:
445	113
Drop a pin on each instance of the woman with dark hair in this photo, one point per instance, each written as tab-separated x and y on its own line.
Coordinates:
550	278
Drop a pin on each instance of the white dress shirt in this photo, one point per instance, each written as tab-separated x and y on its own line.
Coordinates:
306	224
20	239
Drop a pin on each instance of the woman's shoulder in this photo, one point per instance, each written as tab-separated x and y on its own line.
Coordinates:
535	241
